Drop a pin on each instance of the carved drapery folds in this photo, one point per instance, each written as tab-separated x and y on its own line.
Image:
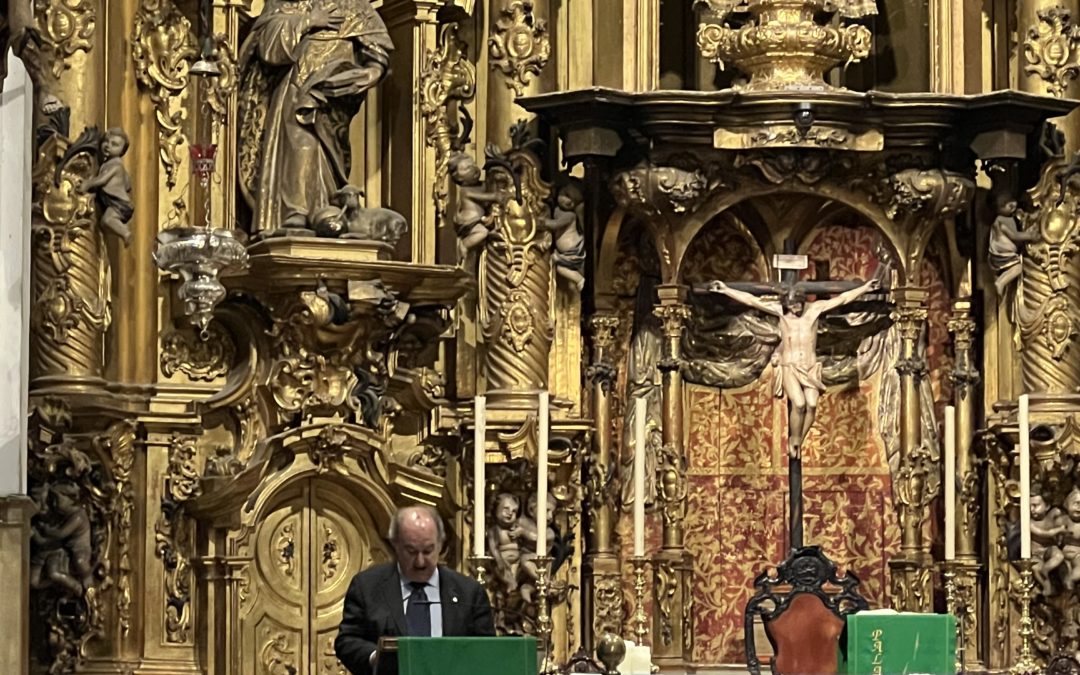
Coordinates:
515	283
784	46
448	77
519	46
1052	49
70	308
163	47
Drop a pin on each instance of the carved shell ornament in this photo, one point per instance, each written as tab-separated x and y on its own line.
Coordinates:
519	46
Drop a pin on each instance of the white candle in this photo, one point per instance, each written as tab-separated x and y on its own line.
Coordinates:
1025	478
950	482
542	477
479	473
640	413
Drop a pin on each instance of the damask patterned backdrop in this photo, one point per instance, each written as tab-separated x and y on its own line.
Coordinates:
737	511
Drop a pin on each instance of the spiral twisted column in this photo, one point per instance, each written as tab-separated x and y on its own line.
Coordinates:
516	283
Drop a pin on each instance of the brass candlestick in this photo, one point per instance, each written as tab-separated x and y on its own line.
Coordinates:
640	621
543	615
949	575
481	567
1025	662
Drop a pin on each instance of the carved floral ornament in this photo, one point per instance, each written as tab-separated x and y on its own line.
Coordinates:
66	27
660	189
163	47
519	46
1050	49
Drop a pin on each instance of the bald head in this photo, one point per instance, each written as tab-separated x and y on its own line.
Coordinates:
417	535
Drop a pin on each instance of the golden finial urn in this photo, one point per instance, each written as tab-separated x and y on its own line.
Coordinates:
785	44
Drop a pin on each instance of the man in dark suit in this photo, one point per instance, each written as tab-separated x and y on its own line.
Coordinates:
415	596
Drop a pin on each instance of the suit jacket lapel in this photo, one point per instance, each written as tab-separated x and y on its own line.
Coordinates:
392	592
450	598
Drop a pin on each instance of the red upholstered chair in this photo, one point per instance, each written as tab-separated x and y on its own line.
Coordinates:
802	604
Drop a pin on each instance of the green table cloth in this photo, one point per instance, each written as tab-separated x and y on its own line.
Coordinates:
467	656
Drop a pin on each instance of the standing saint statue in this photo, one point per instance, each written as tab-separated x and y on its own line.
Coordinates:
306	66
796	365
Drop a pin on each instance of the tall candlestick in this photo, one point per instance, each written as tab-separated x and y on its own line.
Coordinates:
542	476
1025	477
640	413
479	473
950	482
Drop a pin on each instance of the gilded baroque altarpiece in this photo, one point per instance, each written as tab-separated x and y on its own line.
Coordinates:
279	247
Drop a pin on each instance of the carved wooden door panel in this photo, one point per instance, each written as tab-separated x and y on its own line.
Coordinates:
307	549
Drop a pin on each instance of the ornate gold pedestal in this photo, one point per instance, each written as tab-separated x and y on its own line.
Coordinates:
673	606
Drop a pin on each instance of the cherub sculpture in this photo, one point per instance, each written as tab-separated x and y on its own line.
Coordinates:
1005	238
113	185
1070	521
63	552
471	220
1045	528
529	533
569	253
503	539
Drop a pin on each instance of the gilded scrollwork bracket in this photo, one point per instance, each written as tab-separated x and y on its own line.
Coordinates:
448	78
163	47
1052	49
173	536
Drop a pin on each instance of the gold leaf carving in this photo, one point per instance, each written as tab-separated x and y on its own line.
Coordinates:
448	76
119	443
163	47
519	46
173	537
66	27
1051	49
205	360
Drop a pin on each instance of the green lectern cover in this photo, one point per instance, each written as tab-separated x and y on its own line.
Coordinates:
467	656
880	643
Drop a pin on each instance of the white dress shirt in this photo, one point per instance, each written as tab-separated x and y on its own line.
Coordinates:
432	591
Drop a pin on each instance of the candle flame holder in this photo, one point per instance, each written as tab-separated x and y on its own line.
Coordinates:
951	602
481	566
1026	663
640	620
543	615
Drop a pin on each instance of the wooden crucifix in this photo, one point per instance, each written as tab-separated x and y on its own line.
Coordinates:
796	367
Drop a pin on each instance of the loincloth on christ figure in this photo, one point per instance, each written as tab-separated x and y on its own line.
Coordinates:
806	376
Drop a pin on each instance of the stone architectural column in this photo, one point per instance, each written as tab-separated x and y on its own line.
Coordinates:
603	594
968	583
673	631
915	481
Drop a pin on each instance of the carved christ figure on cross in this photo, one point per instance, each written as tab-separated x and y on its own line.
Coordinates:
797	367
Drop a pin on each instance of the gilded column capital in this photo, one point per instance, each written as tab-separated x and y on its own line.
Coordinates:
673	318
602	370
1052	49
962	327
519	45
